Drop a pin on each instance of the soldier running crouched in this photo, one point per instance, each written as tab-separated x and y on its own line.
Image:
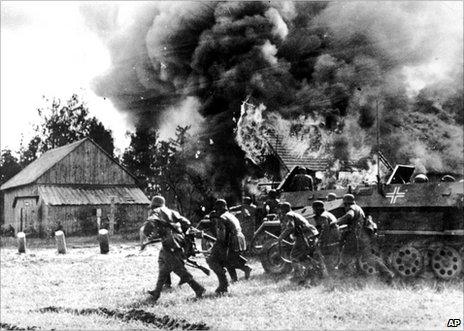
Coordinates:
230	241
171	227
358	240
328	238
305	239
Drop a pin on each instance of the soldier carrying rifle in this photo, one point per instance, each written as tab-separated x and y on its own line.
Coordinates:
225	252
303	262
358	240
171	228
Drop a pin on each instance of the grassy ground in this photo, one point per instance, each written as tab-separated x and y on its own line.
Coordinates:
118	281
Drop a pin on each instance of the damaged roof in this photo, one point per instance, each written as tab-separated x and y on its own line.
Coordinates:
291	159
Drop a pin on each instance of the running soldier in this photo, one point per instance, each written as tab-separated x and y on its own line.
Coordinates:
328	238
171	226
358	240
230	241
305	239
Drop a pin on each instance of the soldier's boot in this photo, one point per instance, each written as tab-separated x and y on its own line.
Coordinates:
386	273
223	284
233	274
167	282
155	294
199	290
247	270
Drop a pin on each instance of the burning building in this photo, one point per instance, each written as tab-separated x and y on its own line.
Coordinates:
334	73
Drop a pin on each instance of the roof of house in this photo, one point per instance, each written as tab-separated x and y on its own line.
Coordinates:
63	195
47	160
291	159
39	166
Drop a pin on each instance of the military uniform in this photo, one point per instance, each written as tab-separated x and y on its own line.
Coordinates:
170	227
302	182
304	245
358	240
327	247
225	252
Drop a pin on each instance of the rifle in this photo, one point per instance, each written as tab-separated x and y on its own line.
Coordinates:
207	236
152	241
194	264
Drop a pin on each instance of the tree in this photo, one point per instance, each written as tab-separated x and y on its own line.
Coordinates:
140	157
64	123
170	168
9	166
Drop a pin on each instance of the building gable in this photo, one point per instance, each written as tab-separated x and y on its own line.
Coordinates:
39	166
88	164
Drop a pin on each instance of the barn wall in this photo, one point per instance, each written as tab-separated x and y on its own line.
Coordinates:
9	196
82	219
87	164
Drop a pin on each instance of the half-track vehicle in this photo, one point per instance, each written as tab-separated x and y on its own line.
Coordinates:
420	223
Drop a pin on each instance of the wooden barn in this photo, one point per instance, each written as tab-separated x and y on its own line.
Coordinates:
74	187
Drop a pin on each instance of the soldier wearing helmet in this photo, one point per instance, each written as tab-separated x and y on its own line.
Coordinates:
327	234
357	240
170	227
272	203
304	234
301	180
230	241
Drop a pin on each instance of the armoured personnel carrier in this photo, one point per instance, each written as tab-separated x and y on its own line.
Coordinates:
420	223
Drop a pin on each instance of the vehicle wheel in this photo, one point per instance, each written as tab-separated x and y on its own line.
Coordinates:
258	244
461	252
272	262
407	261
446	262
367	267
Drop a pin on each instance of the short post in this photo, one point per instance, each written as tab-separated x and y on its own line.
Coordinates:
21	242
103	238
60	242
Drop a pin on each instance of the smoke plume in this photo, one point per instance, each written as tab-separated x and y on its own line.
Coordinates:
321	71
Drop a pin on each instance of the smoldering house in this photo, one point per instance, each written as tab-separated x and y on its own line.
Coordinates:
74	186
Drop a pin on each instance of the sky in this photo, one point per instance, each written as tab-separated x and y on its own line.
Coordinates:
47	50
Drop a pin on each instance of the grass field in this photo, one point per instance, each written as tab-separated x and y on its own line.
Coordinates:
75	285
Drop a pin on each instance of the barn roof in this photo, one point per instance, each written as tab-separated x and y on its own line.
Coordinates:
39	166
47	160
290	159
65	195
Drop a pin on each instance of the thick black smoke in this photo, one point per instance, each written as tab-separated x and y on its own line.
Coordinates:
331	62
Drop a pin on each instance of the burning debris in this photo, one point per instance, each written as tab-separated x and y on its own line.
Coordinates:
318	71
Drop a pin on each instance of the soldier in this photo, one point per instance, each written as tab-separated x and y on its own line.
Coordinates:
272	203
301	180
230	241
247	219
171	227
357	239
327	235
304	233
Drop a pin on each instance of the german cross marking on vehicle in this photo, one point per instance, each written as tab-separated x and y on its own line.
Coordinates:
395	195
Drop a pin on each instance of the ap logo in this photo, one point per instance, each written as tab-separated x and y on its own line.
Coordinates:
453	322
